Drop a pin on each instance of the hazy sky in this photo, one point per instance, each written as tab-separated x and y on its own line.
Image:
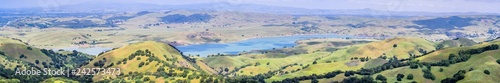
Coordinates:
485	6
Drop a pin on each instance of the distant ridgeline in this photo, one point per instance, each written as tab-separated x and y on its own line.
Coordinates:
178	18
74	23
445	23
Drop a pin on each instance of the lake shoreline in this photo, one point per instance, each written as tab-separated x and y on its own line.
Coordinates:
253	44
99	49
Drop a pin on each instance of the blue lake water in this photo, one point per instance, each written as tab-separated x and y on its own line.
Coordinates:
248	45
229	48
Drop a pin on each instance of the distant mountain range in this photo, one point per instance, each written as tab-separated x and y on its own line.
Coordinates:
257	8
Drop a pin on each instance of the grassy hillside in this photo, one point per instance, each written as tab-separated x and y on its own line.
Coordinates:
458	42
15	54
148	60
151	61
59	80
444	53
478	63
17	50
474	66
399	47
317	60
14	49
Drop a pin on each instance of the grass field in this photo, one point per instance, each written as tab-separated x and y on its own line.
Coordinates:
226	26
374	63
443	54
458	42
326	61
160	50
479	63
15	49
59	80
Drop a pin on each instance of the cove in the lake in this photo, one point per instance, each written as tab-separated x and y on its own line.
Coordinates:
248	45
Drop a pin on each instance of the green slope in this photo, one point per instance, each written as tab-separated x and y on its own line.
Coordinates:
147	59
17	54
457	42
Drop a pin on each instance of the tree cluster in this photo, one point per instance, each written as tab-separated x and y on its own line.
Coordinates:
310	77
364	79
463	55
457	77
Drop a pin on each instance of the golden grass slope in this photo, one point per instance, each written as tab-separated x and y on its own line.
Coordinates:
340	59
479	63
458	42
404	47
14	49
59	80
444	53
326	61
160	50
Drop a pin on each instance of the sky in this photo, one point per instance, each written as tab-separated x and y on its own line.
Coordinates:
483	6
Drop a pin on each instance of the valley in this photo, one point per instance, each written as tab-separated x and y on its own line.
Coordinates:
234	26
247	43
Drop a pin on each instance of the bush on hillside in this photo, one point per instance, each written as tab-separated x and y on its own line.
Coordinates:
487	72
381	78
409	77
141	64
400	77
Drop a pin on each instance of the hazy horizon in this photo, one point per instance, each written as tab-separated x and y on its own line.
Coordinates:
439	6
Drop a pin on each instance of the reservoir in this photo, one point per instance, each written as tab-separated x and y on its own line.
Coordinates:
229	48
250	44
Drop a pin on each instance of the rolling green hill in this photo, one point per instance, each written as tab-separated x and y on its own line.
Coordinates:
478	64
444	53
15	54
149	61
317	61
458	42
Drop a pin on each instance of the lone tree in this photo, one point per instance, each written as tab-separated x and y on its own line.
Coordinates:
395	45
226	69
161	69
257	64
400	77
22	56
440	46
413	66
487	72
381	78
409	77
147	78
141	64
314	80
